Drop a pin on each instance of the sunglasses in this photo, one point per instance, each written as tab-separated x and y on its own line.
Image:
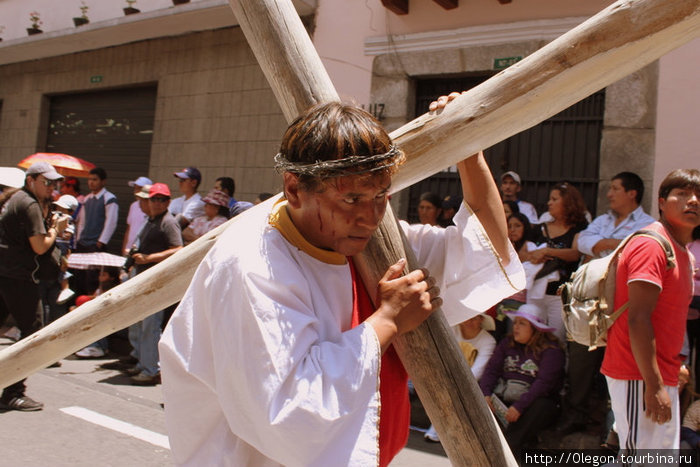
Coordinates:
48	182
157	199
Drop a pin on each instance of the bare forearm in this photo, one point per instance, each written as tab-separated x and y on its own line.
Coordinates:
481	194
643	344
189	235
566	254
605	245
161	255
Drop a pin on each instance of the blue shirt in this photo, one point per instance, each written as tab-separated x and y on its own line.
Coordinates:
604	227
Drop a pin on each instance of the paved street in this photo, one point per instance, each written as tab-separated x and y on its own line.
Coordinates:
93	416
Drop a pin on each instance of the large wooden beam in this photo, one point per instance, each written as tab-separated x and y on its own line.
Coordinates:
622	38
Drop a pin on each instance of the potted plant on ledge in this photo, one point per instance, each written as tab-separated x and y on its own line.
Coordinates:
36	23
130	10
82	19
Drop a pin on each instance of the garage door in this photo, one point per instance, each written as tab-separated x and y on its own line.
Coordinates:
112	129
563	147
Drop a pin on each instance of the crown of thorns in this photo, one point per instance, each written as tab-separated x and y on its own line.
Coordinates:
338	167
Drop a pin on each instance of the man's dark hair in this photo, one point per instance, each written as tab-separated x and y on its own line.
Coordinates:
335	131
227	184
679	178
100	172
265	195
631	181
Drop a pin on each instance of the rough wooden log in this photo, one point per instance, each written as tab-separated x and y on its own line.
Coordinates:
622	38
447	388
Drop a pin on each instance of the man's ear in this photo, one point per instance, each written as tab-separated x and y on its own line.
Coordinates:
291	189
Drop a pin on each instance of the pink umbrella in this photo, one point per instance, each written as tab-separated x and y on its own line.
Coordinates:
68	166
89	260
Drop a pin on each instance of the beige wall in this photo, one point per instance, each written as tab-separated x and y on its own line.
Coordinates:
678	135
214	110
342	27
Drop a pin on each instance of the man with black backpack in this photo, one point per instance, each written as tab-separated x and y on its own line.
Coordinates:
27	231
642	359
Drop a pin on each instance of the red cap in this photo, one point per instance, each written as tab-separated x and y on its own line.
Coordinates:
159	189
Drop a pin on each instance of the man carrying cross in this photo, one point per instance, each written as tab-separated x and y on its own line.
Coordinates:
276	355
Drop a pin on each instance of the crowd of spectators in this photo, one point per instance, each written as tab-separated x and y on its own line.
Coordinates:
529	373
564	393
68	221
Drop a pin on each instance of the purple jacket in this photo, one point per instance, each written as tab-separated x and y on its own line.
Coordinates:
545	374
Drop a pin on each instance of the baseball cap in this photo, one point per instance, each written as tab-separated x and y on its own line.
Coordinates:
159	189
144	192
189	172
510	173
217	197
45	169
67	202
141	181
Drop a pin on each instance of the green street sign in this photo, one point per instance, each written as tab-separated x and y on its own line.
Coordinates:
505	62
96	79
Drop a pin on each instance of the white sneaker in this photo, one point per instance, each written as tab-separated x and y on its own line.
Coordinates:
64	296
431	435
90	352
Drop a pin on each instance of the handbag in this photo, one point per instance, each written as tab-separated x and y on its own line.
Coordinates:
510	390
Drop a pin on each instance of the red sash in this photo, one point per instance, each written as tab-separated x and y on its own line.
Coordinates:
395	409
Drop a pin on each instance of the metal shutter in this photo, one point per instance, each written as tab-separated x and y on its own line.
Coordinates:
112	129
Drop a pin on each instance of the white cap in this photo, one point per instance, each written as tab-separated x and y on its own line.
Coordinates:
512	174
67	202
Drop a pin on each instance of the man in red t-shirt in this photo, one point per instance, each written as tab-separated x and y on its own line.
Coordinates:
642	359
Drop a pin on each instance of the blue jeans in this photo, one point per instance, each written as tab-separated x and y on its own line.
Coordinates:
148	332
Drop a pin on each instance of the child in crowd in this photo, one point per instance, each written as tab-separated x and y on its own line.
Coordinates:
525	374
477	346
216	212
108	278
55	293
519	232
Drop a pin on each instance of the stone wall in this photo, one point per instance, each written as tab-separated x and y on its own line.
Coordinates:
215	109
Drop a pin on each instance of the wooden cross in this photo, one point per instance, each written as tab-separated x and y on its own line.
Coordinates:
619	40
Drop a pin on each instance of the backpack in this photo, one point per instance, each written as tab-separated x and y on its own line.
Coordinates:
589	295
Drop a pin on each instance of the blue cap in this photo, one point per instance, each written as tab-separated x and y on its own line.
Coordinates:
141	181
189	172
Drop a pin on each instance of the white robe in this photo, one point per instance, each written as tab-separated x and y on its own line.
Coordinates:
259	364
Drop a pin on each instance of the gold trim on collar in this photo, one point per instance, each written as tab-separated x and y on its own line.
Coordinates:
279	219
